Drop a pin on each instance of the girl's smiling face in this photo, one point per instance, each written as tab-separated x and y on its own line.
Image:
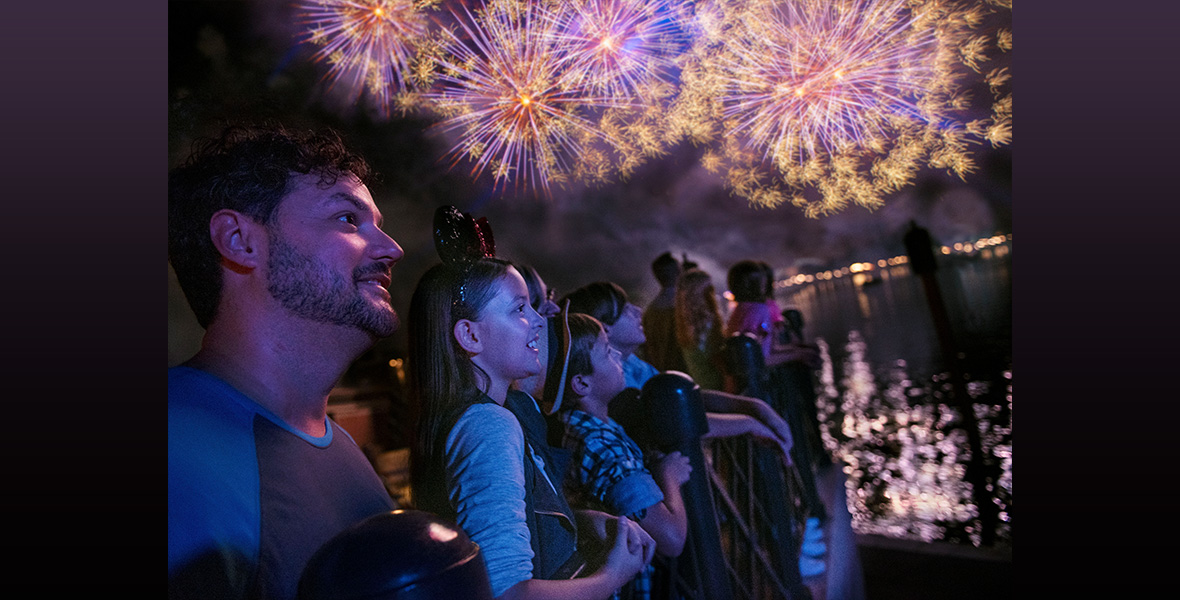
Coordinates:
509	330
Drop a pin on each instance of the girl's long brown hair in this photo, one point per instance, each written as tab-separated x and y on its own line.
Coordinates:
442	381
695	310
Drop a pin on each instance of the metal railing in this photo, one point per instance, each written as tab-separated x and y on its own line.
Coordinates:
746	507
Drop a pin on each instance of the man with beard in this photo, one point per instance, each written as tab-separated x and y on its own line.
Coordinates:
277	244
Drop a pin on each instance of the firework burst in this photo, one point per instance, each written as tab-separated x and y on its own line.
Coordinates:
825	78
367	44
846	99
815	103
620	47
502	83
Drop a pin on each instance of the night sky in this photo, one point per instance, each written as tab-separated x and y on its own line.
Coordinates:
230	60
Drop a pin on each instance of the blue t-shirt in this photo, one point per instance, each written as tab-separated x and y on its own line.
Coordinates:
636	372
250	498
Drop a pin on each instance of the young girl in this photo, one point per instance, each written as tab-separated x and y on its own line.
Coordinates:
757	313
472	332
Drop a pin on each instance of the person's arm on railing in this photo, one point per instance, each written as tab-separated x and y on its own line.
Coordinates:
724	412
722	425
805	352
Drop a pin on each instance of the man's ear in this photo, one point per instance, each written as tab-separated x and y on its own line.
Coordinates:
469	335
580	384
237	237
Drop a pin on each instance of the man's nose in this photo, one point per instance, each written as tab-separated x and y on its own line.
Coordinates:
386	249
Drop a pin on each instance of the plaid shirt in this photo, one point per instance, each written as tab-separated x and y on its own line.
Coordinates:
604	456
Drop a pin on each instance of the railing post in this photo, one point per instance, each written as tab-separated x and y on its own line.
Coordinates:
920	248
781	392
745	364
785	399
677	422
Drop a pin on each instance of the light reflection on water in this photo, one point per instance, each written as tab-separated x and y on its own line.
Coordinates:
886	402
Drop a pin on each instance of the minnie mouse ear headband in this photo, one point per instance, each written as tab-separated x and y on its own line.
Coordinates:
460	240
559	349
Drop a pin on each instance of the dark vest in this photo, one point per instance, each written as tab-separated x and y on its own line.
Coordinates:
553	530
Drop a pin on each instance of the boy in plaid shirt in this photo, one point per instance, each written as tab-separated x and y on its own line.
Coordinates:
607	470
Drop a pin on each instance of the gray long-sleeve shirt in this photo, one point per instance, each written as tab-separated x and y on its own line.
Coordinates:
485	484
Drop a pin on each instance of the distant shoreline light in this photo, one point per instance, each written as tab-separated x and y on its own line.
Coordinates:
983	246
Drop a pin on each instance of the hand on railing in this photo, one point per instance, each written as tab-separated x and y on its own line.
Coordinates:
631	550
671	469
727	425
767	437
778	426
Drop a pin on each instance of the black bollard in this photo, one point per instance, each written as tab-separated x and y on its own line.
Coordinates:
398	555
743	355
785	399
923	263
673	405
745	364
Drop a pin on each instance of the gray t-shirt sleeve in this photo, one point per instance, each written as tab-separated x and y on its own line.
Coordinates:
485	483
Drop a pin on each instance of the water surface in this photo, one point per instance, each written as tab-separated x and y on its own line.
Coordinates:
887	407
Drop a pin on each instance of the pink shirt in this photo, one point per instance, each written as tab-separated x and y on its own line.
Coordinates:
757	318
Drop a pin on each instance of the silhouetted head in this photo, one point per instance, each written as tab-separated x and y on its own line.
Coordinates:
748	281
666	269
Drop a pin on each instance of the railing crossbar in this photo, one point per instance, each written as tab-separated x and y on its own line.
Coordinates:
736	518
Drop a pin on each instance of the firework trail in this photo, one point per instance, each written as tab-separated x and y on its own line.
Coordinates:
368	45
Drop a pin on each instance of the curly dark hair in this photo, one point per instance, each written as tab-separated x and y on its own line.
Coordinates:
247	169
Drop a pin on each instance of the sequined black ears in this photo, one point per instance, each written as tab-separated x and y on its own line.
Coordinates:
459	239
